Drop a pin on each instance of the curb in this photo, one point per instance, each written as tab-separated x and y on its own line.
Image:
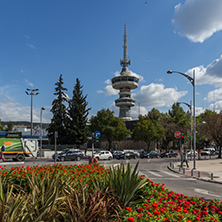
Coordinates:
197	178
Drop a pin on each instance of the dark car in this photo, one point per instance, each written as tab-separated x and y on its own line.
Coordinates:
172	153
163	154
144	154
119	155
70	155
153	154
130	155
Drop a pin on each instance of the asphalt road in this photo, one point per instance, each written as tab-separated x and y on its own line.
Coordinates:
156	170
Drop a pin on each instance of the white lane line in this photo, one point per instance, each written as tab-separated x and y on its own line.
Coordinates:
154	173
171	174
206	192
169	178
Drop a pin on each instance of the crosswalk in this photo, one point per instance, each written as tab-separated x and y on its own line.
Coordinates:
162	174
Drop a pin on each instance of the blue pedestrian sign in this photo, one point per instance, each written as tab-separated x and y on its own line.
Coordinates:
97	134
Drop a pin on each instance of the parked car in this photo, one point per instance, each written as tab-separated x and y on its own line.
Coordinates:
153	154
217	152
130	155
144	154
119	155
103	155
69	154
207	152
172	153
163	154
189	153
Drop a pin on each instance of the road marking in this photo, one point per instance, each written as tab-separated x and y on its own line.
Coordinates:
206	192
169	178
153	173
171	174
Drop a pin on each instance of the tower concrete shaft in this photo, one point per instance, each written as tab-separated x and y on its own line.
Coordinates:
125	82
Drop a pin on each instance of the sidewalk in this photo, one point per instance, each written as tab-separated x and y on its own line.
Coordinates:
208	170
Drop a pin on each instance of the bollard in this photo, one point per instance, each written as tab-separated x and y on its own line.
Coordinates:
179	169
212	176
198	173
191	172
183	170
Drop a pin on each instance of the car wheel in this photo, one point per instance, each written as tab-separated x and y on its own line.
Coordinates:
110	158
20	157
78	158
62	158
134	157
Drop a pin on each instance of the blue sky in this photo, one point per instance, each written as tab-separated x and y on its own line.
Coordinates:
41	39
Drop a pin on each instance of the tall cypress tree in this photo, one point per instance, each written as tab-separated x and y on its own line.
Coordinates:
59	119
77	117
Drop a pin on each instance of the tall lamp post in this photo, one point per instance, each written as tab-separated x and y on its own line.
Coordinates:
190	107
192	81
31	92
43	108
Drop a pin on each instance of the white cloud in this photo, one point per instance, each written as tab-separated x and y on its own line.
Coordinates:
31	46
108	81
100	91
155	95
217	106
198	19
109	91
29	83
215	94
211	74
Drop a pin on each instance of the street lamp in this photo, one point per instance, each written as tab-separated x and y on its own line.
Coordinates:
190	107
192	81
31	92
43	108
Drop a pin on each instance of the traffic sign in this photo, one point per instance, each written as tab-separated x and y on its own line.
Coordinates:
97	134
177	134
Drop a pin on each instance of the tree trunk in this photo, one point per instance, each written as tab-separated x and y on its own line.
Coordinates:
110	145
148	146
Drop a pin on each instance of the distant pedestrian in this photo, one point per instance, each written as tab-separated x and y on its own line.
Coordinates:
184	159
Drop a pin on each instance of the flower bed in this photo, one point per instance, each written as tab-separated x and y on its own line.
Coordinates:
165	205
160	203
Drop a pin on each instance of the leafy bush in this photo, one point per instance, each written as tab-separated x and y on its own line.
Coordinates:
127	185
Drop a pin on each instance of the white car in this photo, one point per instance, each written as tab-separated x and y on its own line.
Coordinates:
103	155
207	152
189	153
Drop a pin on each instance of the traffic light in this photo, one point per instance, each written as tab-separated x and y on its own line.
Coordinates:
93	138
182	138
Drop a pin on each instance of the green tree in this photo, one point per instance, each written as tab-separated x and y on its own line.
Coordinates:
154	115
9	126
77	129
147	130
212	129
59	119
112	128
178	115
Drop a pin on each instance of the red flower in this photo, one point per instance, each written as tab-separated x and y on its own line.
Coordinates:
131	219
204	212
128	208
156	212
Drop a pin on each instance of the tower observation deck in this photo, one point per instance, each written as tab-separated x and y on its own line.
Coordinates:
125	82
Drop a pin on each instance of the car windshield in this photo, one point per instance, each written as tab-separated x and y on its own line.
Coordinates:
64	151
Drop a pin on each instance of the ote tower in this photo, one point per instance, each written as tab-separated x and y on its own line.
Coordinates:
125	82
